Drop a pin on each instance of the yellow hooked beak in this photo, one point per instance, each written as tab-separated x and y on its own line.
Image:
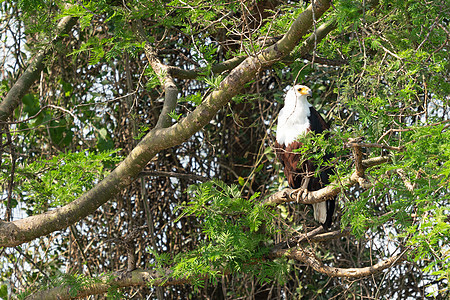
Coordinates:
305	91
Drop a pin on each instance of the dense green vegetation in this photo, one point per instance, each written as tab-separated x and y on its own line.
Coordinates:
136	149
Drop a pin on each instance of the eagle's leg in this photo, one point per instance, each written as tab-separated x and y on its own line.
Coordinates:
303	190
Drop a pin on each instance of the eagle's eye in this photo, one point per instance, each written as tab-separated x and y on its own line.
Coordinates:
299	89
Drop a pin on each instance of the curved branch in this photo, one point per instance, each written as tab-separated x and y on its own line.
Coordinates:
374	145
24	230
331	235
331	190
31	73
312	261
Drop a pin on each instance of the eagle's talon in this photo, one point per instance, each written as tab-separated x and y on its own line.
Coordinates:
291	194
301	192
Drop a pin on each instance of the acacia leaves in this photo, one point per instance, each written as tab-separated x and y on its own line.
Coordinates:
235	231
61	179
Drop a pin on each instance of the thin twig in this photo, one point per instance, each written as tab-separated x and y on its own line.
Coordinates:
406	180
31	261
174	174
8	213
375	145
74	232
296	240
392	130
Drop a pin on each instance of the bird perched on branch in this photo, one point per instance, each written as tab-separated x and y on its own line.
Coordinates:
296	118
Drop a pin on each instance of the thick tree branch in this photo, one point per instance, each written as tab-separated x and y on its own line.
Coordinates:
24	230
140	277
331	235
170	102
331	190
321	32
32	72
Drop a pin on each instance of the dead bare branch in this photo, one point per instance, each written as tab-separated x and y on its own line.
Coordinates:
406	180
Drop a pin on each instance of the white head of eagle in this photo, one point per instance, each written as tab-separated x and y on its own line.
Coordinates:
295	119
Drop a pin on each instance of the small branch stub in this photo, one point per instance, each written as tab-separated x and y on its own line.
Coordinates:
354	143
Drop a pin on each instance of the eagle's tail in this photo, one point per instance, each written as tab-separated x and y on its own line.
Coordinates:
323	213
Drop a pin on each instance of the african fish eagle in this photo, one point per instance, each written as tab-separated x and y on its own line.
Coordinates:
296	118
